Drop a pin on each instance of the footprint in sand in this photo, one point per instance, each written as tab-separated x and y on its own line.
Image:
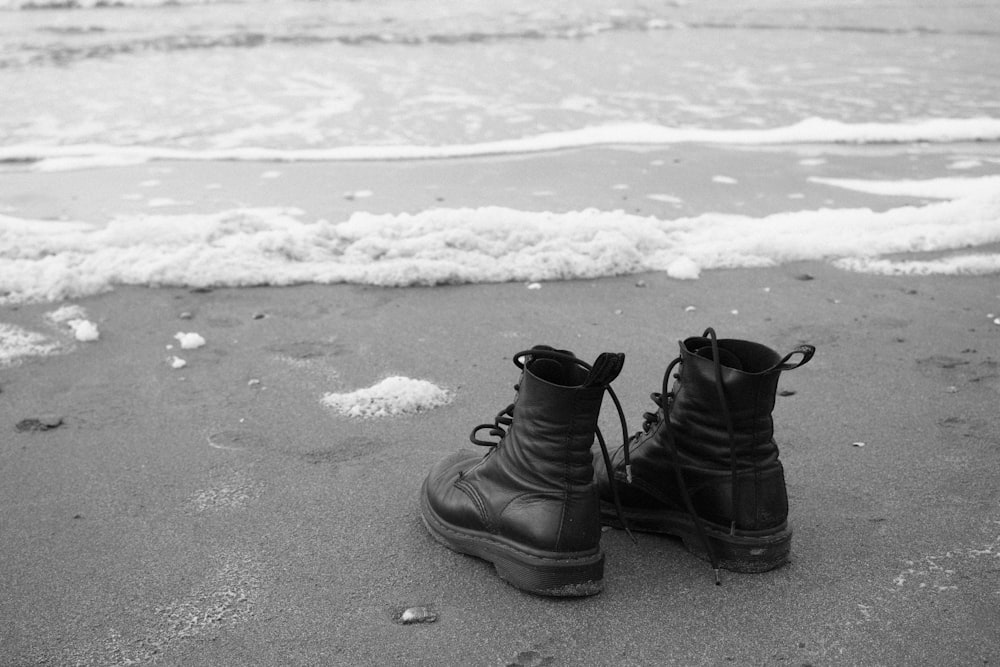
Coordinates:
315	357
937	573
959	371
339	451
236	440
233	493
532	659
226	597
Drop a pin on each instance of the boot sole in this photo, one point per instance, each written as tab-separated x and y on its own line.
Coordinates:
743	552
553	574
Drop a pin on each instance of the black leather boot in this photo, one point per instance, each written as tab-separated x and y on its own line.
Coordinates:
530	505
705	467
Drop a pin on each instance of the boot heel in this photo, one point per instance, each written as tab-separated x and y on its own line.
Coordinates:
744	554
576	578
555	576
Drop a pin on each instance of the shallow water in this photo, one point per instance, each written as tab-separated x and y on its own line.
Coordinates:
295	74
279	81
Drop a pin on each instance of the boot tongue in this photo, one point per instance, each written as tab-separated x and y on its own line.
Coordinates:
726	358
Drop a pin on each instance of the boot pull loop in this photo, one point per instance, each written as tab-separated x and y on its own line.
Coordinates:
807	352
605	369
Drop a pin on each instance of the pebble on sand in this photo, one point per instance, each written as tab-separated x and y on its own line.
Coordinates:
417	615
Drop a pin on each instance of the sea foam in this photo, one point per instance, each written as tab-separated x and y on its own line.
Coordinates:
71	156
396	395
17	343
44	260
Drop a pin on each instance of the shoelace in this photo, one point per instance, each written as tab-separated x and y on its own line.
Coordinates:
504	418
664	400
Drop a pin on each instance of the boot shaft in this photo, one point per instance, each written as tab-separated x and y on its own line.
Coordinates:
706	414
554	422
537	484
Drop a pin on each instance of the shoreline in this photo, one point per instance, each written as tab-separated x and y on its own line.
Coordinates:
691	179
573	215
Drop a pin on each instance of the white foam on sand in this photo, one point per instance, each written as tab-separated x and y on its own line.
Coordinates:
84	331
17	343
189	340
932	188
392	396
43	260
74	317
49	157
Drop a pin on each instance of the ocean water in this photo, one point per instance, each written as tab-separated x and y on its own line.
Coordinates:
94	84
383	78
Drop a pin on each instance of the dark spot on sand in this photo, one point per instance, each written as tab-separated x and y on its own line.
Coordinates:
345	450
531	659
308	349
786	392
44	423
804	276
942	361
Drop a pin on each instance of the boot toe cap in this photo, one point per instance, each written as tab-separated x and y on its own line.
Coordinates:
445	499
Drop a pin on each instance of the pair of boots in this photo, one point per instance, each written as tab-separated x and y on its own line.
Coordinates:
704	468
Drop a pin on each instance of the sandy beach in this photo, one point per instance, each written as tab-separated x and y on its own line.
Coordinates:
220	513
